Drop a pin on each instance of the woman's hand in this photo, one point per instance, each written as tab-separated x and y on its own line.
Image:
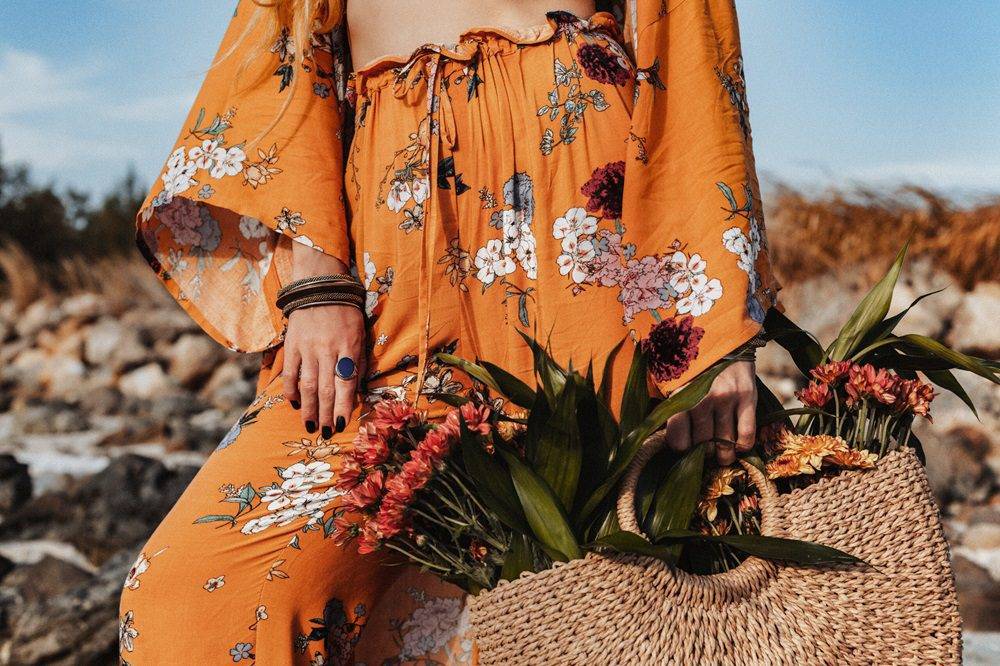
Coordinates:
315	339
727	412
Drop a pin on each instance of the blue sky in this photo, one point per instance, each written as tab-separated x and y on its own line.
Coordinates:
876	91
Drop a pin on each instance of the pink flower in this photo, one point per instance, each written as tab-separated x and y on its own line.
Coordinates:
344	529
370	540
915	396
477	418
349	475
370	445
436	444
865	380
642	285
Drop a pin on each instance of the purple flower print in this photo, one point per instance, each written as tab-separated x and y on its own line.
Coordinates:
602	65
671	346
605	188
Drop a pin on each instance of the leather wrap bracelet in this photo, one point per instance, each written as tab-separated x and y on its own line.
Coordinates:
334	289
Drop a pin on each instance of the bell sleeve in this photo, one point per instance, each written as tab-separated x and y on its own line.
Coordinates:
219	223
690	180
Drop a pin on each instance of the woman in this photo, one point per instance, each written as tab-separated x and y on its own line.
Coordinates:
580	176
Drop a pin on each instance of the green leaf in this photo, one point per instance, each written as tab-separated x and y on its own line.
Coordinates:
771	548
680	400
518	558
629	543
493	482
635	398
469	368
767	403
557	452
957	359
677	496
802	346
516	391
541	507
886	327
453	399
598	437
869	313
216	518
604	391
947	380
551	375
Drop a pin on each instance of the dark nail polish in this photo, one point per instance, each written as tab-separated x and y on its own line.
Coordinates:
341	424
327	432
310	427
295	404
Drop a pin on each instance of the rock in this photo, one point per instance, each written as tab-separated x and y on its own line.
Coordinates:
15	484
146	382
982	536
37	316
955	464
84	307
838	301
193	358
75	628
227	389
164	323
978	595
26	370
115	508
974	329
49	577
113	345
62	376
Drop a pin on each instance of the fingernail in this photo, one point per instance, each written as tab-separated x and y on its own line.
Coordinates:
295	404
327	432
341	424
310	427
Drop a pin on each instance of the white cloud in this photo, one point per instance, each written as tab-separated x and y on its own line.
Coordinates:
30	83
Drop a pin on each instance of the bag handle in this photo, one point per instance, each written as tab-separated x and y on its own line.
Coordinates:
653	444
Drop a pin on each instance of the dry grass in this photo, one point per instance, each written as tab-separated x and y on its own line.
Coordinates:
123	283
813	235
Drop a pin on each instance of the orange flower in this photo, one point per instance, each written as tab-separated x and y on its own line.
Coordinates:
811	449
865	380
915	396
852	459
786	465
508	430
719	484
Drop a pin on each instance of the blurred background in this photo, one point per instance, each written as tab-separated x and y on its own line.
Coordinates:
872	120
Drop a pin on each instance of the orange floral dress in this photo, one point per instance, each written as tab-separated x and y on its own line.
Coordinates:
580	181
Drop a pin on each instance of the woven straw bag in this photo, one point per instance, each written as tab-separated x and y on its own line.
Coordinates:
628	609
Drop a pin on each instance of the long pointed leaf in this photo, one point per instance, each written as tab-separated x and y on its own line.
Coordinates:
870	311
516	391
635	398
947	380
541	507
469	368
493	482
518	558
958	359
551	375
805	350
677	495
557	453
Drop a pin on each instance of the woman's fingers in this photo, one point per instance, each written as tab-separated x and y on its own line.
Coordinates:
725	429
290	377
746	423
702	422
308	385
678	431
346	389
327	394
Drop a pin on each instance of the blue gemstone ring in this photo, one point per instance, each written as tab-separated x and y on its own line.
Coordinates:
346	368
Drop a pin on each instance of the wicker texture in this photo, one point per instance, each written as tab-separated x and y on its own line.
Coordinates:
626	609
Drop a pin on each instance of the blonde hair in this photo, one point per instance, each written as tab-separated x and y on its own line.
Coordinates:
301	19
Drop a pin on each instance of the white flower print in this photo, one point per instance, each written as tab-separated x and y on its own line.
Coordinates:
399	194
432	626
302	476
492	262
420	188
686	271
127	632
526	253
253	228
229	164
179	175
576	221
575	255
207	153
704	293
139	568
213	584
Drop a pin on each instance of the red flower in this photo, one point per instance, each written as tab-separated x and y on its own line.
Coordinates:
368	492
865	380
478	550
371	446
394	415
344	529
915	396
815	394
349	475
829	373
602	65
605	189
671	346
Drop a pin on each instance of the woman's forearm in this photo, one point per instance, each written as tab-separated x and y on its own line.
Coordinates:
307	261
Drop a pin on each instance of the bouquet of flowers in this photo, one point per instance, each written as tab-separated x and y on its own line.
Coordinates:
861	396
516	478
